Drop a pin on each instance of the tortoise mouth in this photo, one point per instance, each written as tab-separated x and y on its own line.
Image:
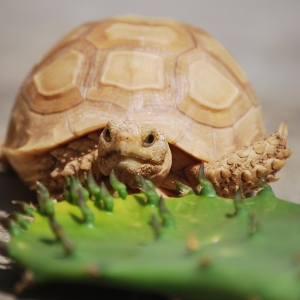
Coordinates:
127	168
123	156
134	166
130	163
122	164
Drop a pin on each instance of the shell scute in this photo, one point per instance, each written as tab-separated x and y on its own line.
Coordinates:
159	71
59	81
155	35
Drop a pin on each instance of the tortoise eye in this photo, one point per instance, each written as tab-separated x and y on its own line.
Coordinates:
107	135
149	140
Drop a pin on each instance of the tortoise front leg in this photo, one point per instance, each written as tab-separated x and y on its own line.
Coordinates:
245	167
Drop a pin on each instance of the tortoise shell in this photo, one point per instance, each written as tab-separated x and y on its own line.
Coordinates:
159	71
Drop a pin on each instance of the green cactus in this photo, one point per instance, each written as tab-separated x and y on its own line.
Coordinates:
193	247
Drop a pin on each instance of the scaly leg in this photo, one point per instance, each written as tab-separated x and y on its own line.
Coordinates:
245	167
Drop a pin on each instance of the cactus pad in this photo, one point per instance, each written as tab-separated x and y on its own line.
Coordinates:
193	247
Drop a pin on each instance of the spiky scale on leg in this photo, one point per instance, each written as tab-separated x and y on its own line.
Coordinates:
74	158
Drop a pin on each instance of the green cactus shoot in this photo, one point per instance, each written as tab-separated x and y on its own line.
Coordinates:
192	247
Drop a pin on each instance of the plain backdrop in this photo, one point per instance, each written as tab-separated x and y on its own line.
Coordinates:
263	35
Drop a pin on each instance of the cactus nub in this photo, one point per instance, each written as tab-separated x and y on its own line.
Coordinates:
155	224
107	198
45	202
88	215
207	187
47	208
149	191
67	189
238	200
25	208
75	185
118	185
61	236
254	224
24	223
168	219
12	226
138	180
263	182
183	189
92	186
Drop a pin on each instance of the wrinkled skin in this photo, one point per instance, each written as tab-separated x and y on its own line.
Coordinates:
132	149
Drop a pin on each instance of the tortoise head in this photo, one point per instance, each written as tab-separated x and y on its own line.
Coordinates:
134	148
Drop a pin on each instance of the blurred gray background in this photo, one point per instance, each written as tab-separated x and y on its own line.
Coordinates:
263	35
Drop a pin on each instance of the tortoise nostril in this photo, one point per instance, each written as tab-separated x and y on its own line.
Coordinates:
125	136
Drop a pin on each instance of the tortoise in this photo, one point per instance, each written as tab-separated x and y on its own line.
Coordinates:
141	96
